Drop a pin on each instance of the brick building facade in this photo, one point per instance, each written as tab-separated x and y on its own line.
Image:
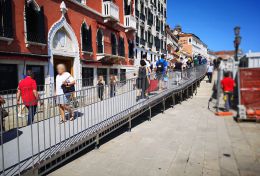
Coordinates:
90	37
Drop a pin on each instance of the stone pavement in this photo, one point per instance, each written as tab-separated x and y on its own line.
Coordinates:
186	140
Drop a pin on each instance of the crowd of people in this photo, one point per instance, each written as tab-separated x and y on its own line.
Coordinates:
151	75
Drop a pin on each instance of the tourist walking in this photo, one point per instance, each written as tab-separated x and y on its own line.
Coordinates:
210	69
27	89
228	85
142	81
113	82
65	86
101	87
161	67
178	70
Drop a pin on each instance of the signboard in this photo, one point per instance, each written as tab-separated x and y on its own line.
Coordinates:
250	87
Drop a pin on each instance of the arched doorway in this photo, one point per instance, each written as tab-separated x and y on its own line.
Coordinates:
63	47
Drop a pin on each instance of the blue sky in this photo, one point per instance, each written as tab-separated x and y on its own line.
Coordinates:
213	21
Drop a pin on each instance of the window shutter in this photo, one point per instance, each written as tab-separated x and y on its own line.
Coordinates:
41	31
89	40
8	19
84	37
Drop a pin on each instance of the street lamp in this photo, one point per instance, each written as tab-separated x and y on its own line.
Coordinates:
237	41
237	30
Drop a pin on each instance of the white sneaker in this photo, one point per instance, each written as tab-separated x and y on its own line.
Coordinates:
20	115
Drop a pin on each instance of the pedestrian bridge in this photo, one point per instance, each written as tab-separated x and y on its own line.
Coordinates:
38	148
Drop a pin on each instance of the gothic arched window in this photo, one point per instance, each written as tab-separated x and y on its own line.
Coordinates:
130	49
6	29
121	47
34	16
86	38
114	44
100	41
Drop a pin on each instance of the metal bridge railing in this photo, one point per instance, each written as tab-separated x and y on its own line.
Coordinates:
25	146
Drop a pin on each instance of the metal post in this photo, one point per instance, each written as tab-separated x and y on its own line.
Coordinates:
150	113
97	141
187	93
173	100
129	124
181	98
163	105
218	89
192	91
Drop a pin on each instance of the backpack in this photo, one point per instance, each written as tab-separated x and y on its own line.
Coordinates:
142	72
160	67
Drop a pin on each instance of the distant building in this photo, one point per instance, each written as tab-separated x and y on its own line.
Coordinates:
191	44
172	44
253	59
225	54
212	55
150	29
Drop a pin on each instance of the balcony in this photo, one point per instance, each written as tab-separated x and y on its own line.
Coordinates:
130	23
137	40
110	11
150	45
142	16
158	28
142	41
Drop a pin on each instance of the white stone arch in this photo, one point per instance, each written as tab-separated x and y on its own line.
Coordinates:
37	7
74	53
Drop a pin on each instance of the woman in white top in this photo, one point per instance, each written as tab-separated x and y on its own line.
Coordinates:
63	99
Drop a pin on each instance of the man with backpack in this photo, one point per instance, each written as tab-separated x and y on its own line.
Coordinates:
161	68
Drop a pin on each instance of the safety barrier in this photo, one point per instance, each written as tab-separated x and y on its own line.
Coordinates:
35	148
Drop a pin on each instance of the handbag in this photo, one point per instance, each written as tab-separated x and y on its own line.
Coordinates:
68	88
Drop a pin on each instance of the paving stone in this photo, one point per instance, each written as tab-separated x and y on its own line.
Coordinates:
187	140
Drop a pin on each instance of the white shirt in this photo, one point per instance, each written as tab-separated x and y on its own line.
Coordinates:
59	81
210	68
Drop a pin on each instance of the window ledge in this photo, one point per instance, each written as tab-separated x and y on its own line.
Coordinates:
87	52
28	44
8	40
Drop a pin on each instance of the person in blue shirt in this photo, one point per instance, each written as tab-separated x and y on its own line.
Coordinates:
161	68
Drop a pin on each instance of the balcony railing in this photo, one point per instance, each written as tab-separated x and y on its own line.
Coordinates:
137	40
142	41
150	45
158	28
137	13
142	16
110	10
130	22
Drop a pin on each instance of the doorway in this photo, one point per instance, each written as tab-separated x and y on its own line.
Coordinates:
67	61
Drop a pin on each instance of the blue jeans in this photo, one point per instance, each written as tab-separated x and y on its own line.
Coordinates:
228	100
31	113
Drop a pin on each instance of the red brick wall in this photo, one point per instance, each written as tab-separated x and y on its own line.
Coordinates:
75	17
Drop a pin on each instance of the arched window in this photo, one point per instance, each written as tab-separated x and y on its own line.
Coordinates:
114	44
130	49
127	7
34	16
6	29
121	47
86	38
100	41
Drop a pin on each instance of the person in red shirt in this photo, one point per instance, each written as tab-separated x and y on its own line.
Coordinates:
27	89
227	85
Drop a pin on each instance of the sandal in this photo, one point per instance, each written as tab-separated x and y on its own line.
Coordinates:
62	121
71	117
